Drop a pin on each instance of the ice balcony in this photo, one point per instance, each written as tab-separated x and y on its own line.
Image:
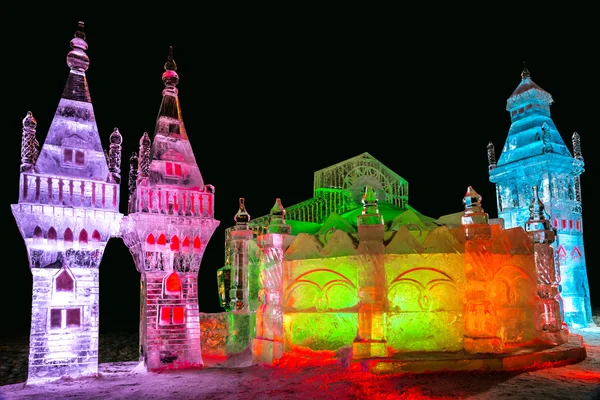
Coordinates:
70	192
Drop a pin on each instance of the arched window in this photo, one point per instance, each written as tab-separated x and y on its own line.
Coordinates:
96	238
161	242
64	282
83	238
175	243
150	242
172	284
52	236
38	235
197	245
185	246
68	237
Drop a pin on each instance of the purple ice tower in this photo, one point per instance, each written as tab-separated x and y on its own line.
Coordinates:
170	221
67	211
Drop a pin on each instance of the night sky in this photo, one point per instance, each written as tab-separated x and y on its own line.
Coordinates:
266	104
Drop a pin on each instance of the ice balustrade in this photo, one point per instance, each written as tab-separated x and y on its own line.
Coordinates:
69	192
168	200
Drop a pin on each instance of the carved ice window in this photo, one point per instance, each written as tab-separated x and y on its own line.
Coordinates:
173	169
62	318
171	316
172	285
73	157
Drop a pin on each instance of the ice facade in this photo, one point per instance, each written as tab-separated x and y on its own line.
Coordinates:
379	280
169	223
535	154
68	209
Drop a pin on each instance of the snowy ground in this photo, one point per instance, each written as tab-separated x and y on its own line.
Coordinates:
117	381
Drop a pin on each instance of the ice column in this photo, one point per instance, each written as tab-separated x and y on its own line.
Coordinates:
370	340
549	318
268	344
480	316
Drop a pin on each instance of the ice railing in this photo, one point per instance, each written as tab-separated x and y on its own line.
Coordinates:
172	201
69	192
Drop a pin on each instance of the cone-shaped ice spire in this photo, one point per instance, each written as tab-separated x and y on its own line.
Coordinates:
576	146
242	217
29	143
72	147
132	183
172	158
491	154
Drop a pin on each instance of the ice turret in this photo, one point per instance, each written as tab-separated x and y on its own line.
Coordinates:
68	210
170	222
535	154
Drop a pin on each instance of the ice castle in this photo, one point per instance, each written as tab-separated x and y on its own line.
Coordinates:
354	273
67	211
356	270
535	154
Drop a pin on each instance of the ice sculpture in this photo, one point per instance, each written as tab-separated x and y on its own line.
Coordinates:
170	221
535	154
386	286
67	211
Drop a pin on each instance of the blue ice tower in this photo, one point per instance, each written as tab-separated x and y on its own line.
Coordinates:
535	154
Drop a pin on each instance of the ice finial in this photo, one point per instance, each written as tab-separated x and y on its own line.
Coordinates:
491	155
144	158
170	77
132	183
29	143
474	216
546	138
538	218
472	200
114	156
77	60
242	217
576	146
525	73
277	219
370	212
369	201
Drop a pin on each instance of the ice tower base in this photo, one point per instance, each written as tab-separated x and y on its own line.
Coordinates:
522	357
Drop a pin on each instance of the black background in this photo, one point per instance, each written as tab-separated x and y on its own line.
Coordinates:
270	98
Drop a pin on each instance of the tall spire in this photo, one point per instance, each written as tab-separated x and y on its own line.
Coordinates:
144	158
72	146
277	219
170	77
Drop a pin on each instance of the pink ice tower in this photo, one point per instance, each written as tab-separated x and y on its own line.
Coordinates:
67	211
170	221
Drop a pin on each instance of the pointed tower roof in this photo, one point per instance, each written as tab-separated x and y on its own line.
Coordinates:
532	131
173	160
72	146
